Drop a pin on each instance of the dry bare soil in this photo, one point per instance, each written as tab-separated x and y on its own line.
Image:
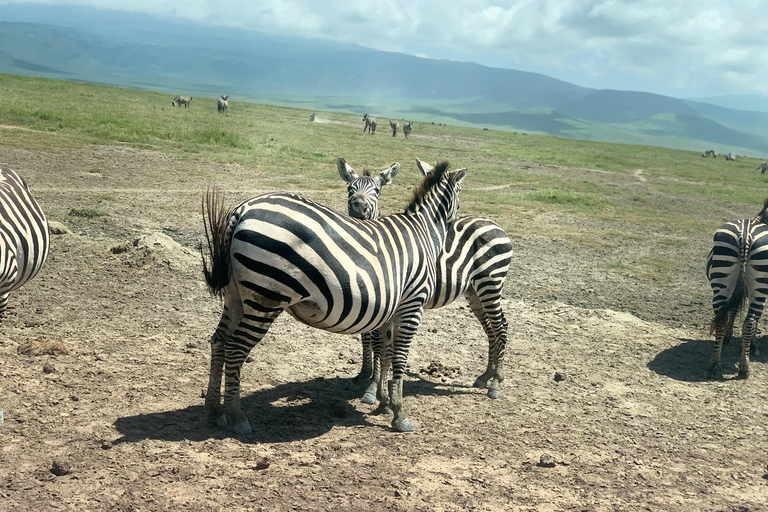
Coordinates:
104	355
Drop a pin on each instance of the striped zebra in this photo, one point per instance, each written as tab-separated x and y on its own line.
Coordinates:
407	127
223	104
395	126
370	124
730	158
181	100
473	262
762	167
24	237
282	252
737	269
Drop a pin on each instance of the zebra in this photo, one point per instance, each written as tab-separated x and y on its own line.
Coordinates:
737	270
708	153
282	252
370	124
762	167
407	129
312	117
24	237
730	158
474	262
394	127
223	104
181	100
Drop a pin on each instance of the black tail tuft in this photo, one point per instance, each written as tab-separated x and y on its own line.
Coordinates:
734	303
215	222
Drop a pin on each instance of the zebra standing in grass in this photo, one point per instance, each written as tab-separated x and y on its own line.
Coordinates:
394	127
763	167
730	158
24	237
281	252
737	269
181	100
708	153
370	124
223	104
473	262
407	129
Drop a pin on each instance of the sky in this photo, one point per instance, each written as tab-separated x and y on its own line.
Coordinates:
684	48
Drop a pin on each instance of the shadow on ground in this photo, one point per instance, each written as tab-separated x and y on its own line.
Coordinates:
285	413
689	361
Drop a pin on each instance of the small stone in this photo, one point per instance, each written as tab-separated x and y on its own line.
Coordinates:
39	311
547	461
100	357
203	394
560	377
57	228
262	464
249	359
48	368
106	445
61	468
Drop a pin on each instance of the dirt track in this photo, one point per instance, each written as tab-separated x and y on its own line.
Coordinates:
634	425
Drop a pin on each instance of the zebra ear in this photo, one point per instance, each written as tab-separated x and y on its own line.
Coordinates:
386	177
456	176
347	173
424	168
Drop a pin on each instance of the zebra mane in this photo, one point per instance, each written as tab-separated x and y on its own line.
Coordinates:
367	172
427	184
763	215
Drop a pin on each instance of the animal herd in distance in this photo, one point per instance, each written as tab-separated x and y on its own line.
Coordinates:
262	261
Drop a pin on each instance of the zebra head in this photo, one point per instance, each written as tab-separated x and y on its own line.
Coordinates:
364	191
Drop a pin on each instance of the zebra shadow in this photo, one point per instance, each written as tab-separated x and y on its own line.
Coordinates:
689	361
288	412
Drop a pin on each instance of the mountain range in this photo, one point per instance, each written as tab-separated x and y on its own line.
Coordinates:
140	51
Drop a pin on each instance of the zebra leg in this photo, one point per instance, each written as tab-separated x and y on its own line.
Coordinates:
383	362
230	317
729	327
491	317
747	334
367	369
3	306
251	329
714	362
372	392
405	326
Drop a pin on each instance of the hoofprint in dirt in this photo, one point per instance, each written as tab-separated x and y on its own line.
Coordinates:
631	424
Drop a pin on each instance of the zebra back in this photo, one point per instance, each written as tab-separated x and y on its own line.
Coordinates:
24	236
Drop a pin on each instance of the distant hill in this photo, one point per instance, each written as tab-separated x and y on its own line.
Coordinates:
139	51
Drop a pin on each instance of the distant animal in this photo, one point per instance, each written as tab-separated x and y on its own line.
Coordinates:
473	262
708	153
223	103
312	117
24	237
738	277
282	252
181	100
730	158
394	127
763	167
407	129
370	124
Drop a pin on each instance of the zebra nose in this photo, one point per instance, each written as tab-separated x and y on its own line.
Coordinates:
359	207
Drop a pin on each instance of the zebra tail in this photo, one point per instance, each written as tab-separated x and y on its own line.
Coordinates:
215	222
734	302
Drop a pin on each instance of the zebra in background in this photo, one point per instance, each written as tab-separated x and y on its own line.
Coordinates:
312	117
473	262
730	158
281	252
370	124
394	127
762	167
737	269
407	129
708	153
223	103
24	237
181	100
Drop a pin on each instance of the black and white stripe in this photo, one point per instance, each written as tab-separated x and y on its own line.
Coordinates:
282	252
473	262
737	269
181	100
24	236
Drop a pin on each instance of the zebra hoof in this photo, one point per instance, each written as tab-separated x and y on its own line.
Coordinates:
243	428
493	393
743	374
480	383
402	425
222	420
368	399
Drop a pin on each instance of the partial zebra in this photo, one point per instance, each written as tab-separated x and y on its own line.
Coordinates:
223	104
473	262
370	124
730	158
181	100
708	153
737	269
24	237
282	252
395	126
312	117
407	127
763	167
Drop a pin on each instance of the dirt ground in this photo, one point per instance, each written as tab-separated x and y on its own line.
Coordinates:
104	355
